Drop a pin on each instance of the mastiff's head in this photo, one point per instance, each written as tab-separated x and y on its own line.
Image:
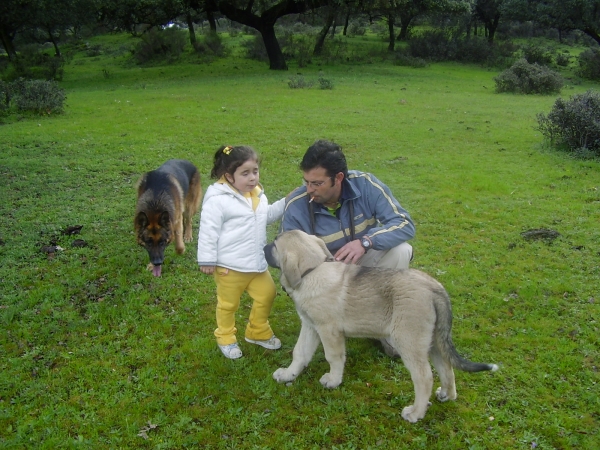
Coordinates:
296	254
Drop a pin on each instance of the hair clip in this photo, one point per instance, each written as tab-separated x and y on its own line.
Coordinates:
227	150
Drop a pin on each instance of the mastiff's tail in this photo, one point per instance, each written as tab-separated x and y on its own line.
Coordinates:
443	336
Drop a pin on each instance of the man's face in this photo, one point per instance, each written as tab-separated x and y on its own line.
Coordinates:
322	188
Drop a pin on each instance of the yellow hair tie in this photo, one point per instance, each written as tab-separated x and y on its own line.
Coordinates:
227	150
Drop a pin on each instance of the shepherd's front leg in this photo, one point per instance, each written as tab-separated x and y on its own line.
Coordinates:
305	348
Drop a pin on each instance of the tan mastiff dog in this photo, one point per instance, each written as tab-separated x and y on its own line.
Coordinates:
408	308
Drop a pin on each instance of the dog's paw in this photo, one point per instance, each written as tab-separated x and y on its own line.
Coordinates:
283	375
443	395
330	381
411	415
188	239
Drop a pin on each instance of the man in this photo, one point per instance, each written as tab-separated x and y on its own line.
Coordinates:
354	213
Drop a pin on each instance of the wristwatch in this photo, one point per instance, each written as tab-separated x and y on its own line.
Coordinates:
366	243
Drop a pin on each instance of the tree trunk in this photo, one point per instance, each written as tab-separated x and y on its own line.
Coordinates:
8	45
492	26
593	34
190	24
276	58
346	23
211	20
323	33
405	21
390	21
56	49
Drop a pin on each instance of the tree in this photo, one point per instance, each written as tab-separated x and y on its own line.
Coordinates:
262	16
408	10
566	15
14	15
489	12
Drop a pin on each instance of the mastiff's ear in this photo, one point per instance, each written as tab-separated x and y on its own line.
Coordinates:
328	255
290	266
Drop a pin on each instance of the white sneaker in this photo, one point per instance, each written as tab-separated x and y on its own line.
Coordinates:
271	344
232	351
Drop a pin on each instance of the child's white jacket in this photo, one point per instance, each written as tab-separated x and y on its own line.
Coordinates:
232	234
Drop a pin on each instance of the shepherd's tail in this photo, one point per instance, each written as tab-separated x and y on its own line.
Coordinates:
443	336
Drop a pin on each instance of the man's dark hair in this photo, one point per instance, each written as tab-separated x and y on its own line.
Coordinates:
325	154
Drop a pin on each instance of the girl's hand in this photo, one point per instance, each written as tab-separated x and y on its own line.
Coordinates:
208	270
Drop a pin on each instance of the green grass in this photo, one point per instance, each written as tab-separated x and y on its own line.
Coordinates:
96	353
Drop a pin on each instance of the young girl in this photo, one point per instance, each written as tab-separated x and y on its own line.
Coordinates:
233	232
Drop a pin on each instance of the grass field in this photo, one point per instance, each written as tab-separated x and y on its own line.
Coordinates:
96	353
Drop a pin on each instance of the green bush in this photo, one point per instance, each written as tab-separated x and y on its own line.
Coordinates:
402	59
589	64
158	44
574	124
213	41
299	82
563	59
34	65
442	45
357	28
525	78
434	45
536	54
37	96
255	49
299	47
325	83
4	97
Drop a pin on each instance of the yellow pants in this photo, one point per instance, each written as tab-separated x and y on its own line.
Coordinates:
230	287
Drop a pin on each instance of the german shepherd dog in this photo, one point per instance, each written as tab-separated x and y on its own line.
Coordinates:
168	199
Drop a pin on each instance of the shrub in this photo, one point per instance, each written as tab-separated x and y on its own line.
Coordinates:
160	44
301	48
255	48
442	45
535	54
402	59
335	51
574	124
4	97
356	28
211	45
298	82
563	59
37	96
525	78
434	45
589	64
33	64
325	83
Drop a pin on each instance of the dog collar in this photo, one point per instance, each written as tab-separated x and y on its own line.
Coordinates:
313	268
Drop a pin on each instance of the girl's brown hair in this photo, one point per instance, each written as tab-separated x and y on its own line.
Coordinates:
228	159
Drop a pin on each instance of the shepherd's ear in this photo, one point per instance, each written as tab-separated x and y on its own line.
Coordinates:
141	220
164	219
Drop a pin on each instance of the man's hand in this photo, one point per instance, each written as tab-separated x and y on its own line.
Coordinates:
350	253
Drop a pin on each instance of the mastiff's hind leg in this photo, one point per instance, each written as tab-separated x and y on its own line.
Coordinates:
447	390
414	353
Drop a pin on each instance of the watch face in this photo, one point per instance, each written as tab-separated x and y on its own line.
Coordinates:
366	243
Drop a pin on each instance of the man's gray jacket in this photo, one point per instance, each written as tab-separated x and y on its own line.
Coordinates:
367	208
